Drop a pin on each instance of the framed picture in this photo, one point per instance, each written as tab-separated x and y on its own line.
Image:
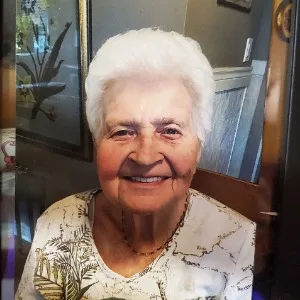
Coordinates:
51	65
244	5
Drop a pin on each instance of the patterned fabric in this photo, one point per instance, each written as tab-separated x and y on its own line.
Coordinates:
210	257
8	149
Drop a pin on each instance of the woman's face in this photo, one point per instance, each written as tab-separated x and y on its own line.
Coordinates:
147	155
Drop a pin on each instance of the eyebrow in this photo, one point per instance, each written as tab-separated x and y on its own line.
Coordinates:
167	121
137	124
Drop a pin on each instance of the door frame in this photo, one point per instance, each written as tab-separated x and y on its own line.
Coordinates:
285	283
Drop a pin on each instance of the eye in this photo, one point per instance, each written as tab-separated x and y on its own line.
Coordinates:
170	133
123	134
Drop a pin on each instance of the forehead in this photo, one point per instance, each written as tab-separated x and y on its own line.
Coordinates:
146	98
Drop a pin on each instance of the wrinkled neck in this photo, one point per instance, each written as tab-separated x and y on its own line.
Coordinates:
144	232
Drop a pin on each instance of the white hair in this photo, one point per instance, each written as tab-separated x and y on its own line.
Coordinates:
145	52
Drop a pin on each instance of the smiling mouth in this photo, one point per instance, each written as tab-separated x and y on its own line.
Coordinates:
145	179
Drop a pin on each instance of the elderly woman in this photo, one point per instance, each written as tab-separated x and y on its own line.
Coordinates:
145	234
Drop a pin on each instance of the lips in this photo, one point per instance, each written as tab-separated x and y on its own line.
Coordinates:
145	179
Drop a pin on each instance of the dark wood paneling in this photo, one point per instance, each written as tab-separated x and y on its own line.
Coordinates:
249	200
287	269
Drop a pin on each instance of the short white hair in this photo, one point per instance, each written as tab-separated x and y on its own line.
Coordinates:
151	51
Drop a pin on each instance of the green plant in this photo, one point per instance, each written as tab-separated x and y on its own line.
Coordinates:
23	31
62	277
45	68
24	91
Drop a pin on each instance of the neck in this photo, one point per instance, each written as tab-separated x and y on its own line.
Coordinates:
144	233
147	233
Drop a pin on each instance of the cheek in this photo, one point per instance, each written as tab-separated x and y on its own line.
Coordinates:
109	161
184	161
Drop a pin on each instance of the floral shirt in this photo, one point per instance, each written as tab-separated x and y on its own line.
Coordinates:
209	257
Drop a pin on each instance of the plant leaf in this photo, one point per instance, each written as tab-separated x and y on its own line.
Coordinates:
88	268
63	248
27	70
55	241
56	69
71	287
49	70
82	291
48	288
45	91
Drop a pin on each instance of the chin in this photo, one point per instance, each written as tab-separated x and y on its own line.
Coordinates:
144	198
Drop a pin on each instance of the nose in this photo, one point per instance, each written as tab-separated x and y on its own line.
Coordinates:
146	152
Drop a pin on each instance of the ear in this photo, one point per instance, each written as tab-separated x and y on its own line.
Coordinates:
197	158
199	152
94	141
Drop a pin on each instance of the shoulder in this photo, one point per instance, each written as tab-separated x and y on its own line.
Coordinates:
211	227
68	203
63	219
62	231
65	213
216	210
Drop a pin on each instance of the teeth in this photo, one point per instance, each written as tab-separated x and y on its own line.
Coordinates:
149	179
